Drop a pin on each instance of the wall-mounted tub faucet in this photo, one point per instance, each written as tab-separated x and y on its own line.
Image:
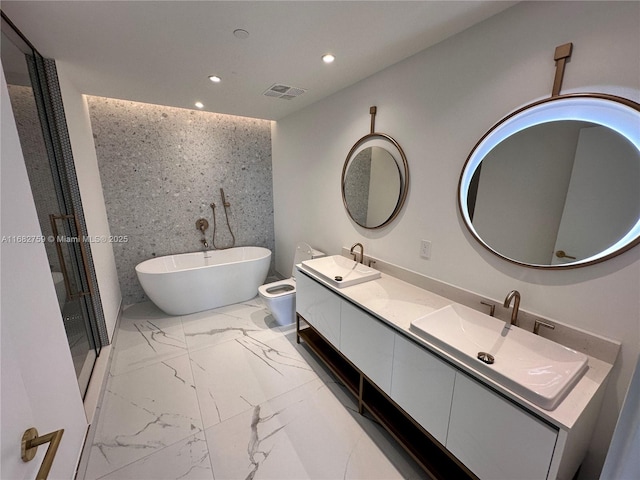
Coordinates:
202	224
516	305
355	255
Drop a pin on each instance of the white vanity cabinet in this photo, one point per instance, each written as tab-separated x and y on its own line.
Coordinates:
320	307
453	424
422	385
368	344
494	438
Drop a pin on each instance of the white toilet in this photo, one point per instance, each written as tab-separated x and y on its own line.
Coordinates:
280	296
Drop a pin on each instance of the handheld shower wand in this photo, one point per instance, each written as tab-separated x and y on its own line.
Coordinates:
226	205
224	201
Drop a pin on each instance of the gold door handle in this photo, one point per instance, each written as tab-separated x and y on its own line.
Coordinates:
563	254
65	273
29	447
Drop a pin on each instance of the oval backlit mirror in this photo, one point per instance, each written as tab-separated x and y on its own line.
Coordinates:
556	184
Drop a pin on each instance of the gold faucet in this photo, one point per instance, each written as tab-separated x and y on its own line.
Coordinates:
516	305
355	255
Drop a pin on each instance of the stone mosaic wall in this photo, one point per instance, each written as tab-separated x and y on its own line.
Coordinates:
162	167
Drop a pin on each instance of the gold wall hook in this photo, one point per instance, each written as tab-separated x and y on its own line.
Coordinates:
29	447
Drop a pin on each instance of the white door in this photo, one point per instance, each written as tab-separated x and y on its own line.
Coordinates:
38	383
602	199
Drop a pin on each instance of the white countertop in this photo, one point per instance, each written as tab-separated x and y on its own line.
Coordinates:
398	303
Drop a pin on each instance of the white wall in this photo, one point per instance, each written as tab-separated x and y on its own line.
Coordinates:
86	163
624	462
437	104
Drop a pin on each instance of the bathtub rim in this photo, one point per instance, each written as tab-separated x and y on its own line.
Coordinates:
265	254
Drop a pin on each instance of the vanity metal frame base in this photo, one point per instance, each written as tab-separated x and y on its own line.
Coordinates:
433	457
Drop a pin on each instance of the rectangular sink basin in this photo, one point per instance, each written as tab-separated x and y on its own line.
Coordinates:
535	368
341	272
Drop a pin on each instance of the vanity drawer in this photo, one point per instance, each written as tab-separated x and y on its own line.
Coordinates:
320	307
368	343
422	385
494	438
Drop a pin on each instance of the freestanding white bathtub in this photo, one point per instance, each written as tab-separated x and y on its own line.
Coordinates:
193	282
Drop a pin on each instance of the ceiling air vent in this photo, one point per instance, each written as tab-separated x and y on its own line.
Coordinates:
277	90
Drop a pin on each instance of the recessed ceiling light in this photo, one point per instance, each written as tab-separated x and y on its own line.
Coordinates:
328	58
199	105
241	34
215	78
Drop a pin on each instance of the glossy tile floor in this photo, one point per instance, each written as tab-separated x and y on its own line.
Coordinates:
226	394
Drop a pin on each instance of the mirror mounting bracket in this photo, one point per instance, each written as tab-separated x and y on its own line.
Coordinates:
373	110
384	213
562	54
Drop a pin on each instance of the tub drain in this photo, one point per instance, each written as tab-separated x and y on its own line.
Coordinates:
486	358
337	278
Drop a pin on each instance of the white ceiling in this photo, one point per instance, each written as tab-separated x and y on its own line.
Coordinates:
163	51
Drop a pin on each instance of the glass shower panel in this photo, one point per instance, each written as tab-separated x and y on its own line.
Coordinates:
76	310
60	229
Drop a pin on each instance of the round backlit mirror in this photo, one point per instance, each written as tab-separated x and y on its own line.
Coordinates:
556	184
374	180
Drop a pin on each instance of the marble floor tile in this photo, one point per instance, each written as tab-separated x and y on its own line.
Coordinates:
311	432
228	394
244	309
146	335
144	411
204	329
144	310
187	459
233	376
